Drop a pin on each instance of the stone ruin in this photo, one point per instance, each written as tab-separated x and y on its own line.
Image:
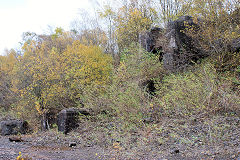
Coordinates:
68	119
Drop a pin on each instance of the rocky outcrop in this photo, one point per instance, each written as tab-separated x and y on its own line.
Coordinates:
175	48
13	127
181	49
150	40
68	119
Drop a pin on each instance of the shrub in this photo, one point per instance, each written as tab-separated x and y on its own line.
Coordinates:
125	98
196	92
50	80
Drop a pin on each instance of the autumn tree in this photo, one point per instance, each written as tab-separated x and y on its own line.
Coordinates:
219	30
54	72
88	31
7	80
131	20
172	9
109	15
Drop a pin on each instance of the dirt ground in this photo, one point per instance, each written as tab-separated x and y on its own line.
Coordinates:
172	139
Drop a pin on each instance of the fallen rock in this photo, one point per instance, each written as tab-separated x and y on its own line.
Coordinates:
72	144
84	111
175	151
13	127
68	119
15	139
148	120
168	61
149	40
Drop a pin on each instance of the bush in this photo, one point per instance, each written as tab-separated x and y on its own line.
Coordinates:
125	98
50	80
196	92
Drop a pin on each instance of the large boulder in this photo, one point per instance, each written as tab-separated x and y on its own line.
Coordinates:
13	127
181	49
149	40
184	48
175	48
68	119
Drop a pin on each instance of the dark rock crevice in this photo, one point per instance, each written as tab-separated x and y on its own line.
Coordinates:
149	87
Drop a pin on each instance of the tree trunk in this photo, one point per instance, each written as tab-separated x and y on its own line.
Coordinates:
44	122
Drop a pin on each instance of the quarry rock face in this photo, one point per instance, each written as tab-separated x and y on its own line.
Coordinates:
183	49
149	40
13	127
68	119
175	48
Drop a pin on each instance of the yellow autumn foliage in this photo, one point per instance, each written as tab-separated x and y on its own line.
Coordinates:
129	27
86	65
58	78
7	81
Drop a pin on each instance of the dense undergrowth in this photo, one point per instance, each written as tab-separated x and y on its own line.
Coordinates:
201	91
193	110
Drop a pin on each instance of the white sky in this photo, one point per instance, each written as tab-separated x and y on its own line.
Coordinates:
18	16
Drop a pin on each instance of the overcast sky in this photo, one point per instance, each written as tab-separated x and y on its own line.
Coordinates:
18	16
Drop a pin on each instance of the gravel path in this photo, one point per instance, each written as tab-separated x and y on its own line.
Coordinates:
10	150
